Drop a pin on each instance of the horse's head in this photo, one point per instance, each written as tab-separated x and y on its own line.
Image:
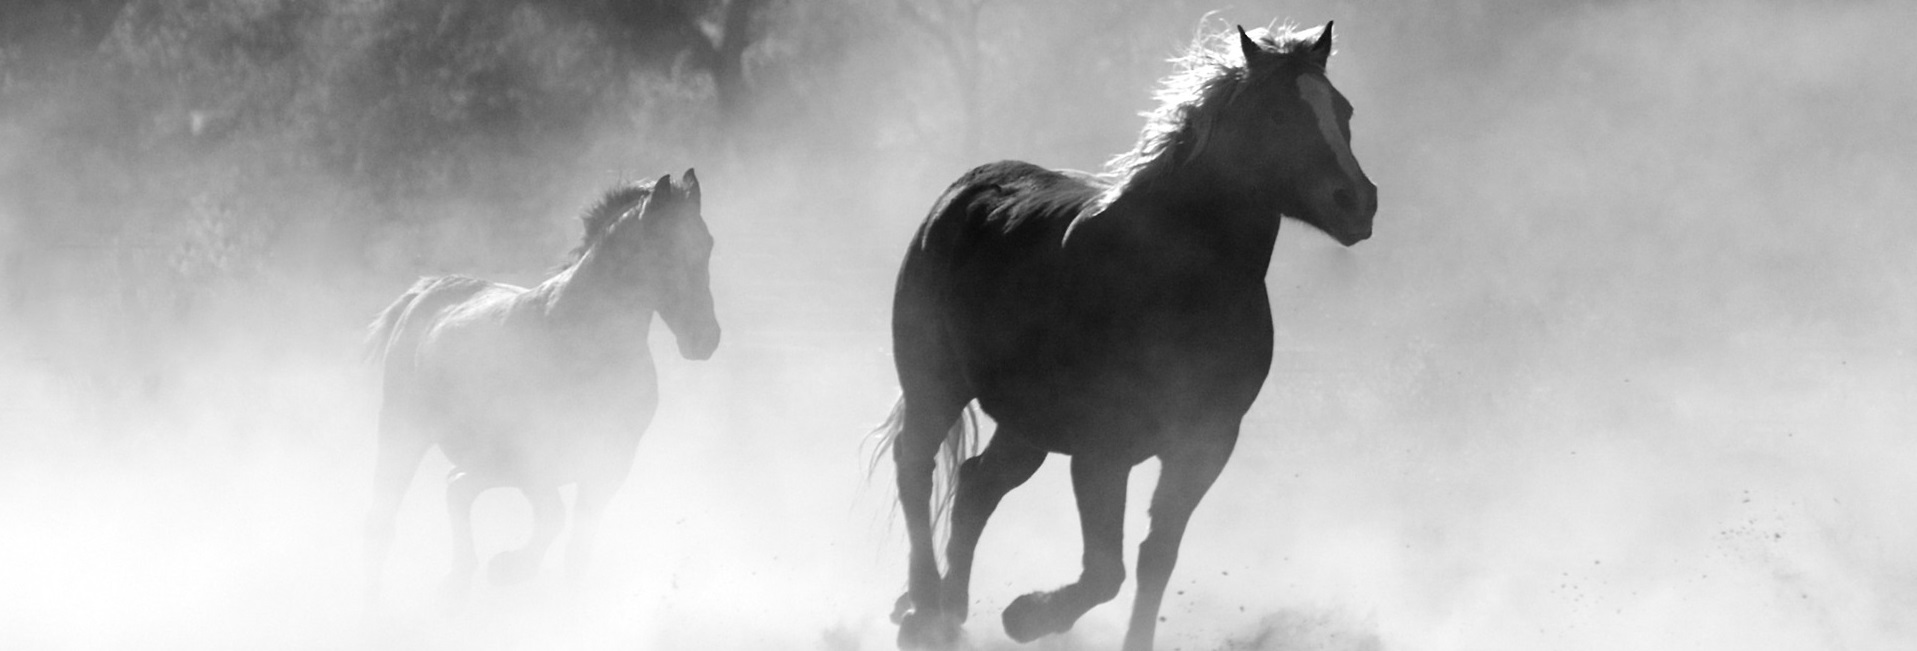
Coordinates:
671	253
1289	129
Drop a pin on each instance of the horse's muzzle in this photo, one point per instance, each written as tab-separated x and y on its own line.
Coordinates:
701	346
1346	210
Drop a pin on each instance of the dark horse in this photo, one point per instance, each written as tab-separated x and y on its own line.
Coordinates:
1111	318
537	388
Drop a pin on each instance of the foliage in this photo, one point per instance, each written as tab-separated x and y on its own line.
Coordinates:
161	157
186	158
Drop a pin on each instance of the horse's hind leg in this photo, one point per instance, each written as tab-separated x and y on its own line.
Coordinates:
462	489
400	449
982	481
935	394
549	516
1099	485
928	417
1182	481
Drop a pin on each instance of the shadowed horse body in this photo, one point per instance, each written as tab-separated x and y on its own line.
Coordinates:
1113	318
540	387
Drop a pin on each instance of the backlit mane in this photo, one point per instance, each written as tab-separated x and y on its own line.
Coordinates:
1208	74
600	217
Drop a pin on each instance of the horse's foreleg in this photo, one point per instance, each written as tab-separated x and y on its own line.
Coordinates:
982	481
1182	481
461	491
400	449
549	516
587	508
1099	486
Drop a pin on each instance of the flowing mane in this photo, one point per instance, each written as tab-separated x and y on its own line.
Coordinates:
605	212
1209	73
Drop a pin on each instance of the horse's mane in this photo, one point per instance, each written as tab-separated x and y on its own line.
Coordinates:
602	214
1209	73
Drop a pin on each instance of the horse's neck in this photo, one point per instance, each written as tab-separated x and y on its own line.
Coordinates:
584	300
1239	229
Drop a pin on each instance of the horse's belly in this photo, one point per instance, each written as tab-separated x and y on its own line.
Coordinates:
1124	405
546	437
537	456
1134	377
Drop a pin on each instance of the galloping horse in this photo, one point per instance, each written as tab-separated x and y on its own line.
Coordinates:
537	388
1111	318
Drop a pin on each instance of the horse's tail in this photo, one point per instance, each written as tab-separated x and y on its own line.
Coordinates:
961	443
442	290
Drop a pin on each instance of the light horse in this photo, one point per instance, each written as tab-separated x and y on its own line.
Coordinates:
537	388
1112	318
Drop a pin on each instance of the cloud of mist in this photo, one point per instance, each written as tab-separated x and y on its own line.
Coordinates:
1624	368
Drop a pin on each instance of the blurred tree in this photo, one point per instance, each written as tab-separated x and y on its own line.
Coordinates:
710	35
433	83
38	34
1040	77
953	27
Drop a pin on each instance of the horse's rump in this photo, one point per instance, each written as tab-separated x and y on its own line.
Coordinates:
1007	203
999	226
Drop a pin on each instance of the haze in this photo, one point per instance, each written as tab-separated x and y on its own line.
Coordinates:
1626	365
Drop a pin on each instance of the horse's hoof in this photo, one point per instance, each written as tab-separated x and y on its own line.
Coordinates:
1029	617
901	608
512	567
928	631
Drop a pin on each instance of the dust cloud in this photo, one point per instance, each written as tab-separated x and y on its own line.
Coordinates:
1627	364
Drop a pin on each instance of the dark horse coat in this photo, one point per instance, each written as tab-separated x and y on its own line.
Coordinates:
1112	318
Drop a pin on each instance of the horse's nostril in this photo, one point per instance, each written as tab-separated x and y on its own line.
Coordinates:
1345	199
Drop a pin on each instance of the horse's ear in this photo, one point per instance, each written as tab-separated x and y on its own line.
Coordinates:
1321	49
664	183
690	183
1249	46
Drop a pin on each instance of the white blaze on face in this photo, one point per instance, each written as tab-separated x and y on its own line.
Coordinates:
1317	95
